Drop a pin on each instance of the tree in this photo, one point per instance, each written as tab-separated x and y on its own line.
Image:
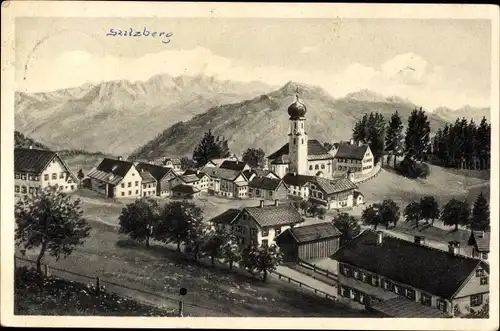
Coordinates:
268	258
455	213
177	221
390	212
480	218
80	174
394	136
372	215
197	236
313	210
139	219
230	250
348	226
254	157
417	138
321	212
413	213
412	169
249	259
371	130
51	220
359	132
305	205
187	163
209	148
429	208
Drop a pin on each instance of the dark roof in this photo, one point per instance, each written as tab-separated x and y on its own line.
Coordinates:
348	151
314	148
272	215
233	165
183	188
265	183
402	307
158	172
331	186
296	179
313	232
480	239
32	160
282	159
146	177
226	217
226	174
431	270
198	173
115	167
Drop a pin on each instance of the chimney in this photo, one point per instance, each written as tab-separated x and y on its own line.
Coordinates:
352	142
454	248
419	240
261	203
197	171
120	158
294	173
30	147
380	237
276	202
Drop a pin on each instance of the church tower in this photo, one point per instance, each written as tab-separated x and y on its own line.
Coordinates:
297	142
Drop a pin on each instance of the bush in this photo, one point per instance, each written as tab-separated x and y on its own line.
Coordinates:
413	169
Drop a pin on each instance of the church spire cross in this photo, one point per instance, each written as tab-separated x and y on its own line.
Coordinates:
297	93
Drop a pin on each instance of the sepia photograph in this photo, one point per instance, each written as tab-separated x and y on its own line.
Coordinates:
233	163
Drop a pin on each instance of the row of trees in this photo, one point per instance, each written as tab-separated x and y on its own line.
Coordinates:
453	213
464	145
371	130
181	222
384	213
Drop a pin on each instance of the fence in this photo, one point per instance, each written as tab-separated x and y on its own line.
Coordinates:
323	272
170	304
377	172
304	286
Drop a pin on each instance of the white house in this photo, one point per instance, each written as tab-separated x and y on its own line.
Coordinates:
352	157
116	179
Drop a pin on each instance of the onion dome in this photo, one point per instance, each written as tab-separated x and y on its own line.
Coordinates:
297	109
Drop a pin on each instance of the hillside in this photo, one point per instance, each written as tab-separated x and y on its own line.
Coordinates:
117	117
468	112
21	141
262	122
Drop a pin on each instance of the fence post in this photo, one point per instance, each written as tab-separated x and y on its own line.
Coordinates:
97	286
181	308
314	267
46	267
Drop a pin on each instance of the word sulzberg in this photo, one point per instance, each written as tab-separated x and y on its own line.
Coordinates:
144	33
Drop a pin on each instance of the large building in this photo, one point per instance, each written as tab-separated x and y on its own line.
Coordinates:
400	278
301	155
161	174
35	169
352	157
116	179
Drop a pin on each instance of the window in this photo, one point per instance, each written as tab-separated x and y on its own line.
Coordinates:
375	280
31	190
441	304
480	273
253	232
72	187
410	293
356	274
364	277
302	141
149	185
17	176
425	299
316	167
265	233
397	289
484	280
265	242
37	178
485	256
23	189
129	184
61	175
23	176
123	185
344	292
136	183
129	192
322	166
144	194
123	194
387	285
136	191
476	300
310	167
17	188
54	176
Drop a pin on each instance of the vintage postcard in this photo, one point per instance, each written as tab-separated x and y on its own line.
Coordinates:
301	166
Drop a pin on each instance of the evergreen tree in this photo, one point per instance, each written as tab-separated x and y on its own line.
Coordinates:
480	218
455	213
209	148
359	132
483	137
394	137
417	138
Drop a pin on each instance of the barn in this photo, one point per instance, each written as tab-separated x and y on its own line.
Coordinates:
309	242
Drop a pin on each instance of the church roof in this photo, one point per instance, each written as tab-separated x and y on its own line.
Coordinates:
315	151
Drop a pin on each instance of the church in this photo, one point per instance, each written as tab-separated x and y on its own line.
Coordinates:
301	155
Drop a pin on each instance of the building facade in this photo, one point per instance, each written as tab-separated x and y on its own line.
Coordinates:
352	157
333	194
163	175
267	189
115	178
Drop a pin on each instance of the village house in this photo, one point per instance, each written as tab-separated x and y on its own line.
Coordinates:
261	224
333	193
116	178
309	242
480	242
298	185
250	174
148	183
227	183
267	188
204	179
35	169
353	157
167	162
234	165
185	191
225	219
217	162
161	174
191	180
400	278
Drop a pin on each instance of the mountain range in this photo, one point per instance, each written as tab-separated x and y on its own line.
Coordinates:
169	115
468	112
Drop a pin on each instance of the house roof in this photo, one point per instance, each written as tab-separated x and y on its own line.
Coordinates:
226	174
183	188
146	177
348	151
357	194
158	172
258	172
296	179
272	215
32	160
402	307
313	232
282	159
315	151
431	270
111	171
226	217
175	161
233	165
331	186
480	239
197	173
265	183
189	178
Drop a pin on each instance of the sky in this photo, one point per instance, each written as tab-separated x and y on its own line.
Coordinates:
432	63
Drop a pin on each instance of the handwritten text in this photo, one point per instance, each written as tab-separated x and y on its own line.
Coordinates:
163	36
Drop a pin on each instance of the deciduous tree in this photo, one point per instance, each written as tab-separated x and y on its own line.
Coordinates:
429	208
52	221
413	213
230	250
372	215
138	219
348	226
390	212
455	213
268	258
254	157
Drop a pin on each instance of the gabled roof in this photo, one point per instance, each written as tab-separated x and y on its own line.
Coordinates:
233	165
272	215
189	178
348	151
308	233
111	171
226	174
32	160
183	188
265	183
296	179
175	161
158	172
481	240
197	173
331	186
226	217
258	172
431	270
315	151
282	159
146	177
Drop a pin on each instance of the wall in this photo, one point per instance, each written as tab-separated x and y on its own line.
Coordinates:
318	249
280	169
130	186
326	166
148	189
204	183
302	192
